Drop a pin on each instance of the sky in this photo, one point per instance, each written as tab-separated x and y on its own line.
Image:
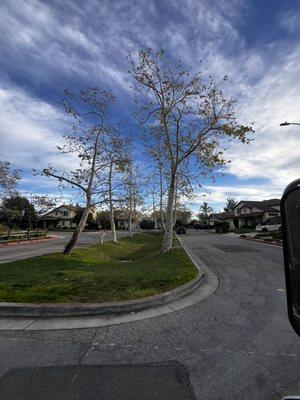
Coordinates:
47	46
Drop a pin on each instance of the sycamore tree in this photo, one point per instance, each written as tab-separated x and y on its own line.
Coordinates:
133	183
158	167
195	117
116	158
90	111
8	178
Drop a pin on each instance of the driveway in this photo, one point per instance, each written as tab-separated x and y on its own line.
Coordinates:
26	250
236	344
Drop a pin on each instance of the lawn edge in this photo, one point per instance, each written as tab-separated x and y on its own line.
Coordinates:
11	309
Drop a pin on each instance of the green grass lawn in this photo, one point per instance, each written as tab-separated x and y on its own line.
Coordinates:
97	273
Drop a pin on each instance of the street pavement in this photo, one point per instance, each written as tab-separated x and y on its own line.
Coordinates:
235	344
53	245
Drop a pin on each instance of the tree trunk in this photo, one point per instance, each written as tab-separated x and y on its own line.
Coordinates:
161	201
168	236
175	207
113	225
28	232
154	212
175	211
130	224
111	206
130	213
155	222
79	228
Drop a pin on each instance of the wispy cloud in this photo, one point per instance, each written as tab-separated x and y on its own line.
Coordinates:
290	21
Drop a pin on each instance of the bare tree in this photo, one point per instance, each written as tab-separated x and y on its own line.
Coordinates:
230	204
194	116
156	153
8	178
116	156
132	184
90	110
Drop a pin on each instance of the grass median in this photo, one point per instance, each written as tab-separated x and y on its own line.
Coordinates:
132	269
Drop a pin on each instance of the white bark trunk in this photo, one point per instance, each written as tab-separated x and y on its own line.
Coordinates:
79	228
138	226
161	200
130	224
111	208
113	225
175	206
130	213
168	236
154	211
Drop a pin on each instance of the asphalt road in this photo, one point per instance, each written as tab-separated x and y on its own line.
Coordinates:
236	344
53	245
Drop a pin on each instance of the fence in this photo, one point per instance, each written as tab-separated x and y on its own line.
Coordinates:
12	236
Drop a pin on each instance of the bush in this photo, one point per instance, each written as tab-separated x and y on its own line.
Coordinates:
221	227
3	228
146	224
244	229
277	235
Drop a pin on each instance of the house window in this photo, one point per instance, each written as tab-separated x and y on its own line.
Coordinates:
65	213
238	210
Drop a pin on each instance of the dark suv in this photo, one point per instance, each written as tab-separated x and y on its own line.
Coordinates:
180	229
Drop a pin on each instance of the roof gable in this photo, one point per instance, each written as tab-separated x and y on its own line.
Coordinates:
264	205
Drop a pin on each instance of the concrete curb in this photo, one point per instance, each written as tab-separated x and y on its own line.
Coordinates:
85	309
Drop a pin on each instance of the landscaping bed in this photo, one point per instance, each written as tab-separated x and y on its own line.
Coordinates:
272	237
132	269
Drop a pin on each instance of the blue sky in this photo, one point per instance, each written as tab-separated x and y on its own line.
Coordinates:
47	46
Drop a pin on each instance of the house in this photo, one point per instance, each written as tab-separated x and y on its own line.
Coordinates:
251	213
120	218
63	216
223	217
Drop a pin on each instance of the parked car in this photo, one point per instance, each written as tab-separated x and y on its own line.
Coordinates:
180	229
268	227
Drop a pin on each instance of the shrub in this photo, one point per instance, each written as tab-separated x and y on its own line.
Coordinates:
221	227
146	224
3	228
244	229
277	235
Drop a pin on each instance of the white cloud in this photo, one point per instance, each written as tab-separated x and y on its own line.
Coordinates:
216	195
273	99
290	21
30	131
